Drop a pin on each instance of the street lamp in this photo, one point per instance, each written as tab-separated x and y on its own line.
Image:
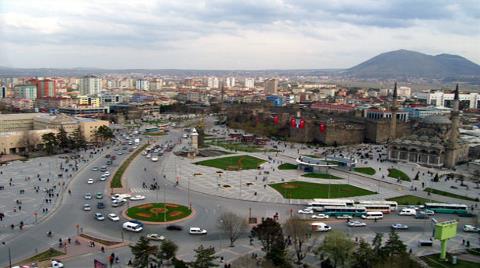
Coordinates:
9	255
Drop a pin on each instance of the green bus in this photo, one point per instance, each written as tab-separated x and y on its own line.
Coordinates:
354	211
459	209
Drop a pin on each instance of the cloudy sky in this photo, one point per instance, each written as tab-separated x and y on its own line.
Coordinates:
228	34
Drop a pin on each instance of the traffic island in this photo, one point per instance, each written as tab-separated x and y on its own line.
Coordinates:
239	162
308	190
158	213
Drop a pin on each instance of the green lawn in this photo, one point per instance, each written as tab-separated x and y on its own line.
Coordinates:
411	200
398	174
321	176
365	170
48	254
434	262
286	166
117	177
240	162
239	147
308	190
155	212
439	192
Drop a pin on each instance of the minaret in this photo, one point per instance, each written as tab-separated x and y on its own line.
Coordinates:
393	109
452	146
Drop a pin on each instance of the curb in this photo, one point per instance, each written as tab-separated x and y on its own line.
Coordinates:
194	213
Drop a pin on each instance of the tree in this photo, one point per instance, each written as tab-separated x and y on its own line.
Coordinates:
104	133
168	250
50	142
204	257
394	246
142	251
298	230
338	247
63	139
78	140
270	234
364	256
377	247
233	225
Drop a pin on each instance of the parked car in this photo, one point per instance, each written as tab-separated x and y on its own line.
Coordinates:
100	205
154	158
86	207
399	226
356	224
197	230
99	195
155	237
320	216
99	216
88	196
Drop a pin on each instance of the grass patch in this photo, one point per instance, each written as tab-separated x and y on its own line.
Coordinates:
411	200
322	176
308	190
48	254
365	170
158	212
240	162
398	174
117	177
287	166
435	262
439	192
238	147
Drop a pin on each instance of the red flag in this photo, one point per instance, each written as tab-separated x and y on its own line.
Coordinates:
323	127
275	120
293	122
302	123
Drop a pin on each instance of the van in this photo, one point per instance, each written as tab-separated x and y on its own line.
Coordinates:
103	168
132	226
320	227
407	212
373	215
425	243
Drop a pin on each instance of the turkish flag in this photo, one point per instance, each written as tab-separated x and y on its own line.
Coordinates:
275	119
302	123
323	127
293	122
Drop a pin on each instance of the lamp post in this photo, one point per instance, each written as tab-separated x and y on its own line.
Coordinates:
9	255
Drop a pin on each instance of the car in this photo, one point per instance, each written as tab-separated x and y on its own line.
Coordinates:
399	226
356	224
107	173
100	205
137	197
90	181
148	156
429	212
113	217
154	158
155	237
144	153
421	215
99	195
103	178
120	196
174	228
95	169
320	216
119	153
470	228
99	216
408	212
344	217
305	211
56	264
132	226
86	207
88	196
197	230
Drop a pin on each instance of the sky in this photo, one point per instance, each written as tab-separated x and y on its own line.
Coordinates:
227	34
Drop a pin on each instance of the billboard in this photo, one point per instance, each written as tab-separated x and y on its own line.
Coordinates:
445	230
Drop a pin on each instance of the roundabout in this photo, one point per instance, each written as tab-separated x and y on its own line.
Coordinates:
153	213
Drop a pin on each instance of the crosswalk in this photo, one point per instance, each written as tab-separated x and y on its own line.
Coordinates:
139	190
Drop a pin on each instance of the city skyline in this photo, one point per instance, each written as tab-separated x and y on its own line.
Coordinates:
230	34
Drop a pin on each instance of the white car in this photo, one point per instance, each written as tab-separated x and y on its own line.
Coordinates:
103	178
399	226
113	217
99	216
137	197
344	217
320	216
470	228
56	264
90	181
120	196
305	211
197	231
154	158
148	156
356	224
107	173
155	237
87	207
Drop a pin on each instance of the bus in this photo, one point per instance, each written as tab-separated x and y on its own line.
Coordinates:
354	211
383	206
318	204
447	208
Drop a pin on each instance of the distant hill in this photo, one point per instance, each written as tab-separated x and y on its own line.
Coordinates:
407	64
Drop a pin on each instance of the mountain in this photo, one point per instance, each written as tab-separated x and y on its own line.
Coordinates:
410	64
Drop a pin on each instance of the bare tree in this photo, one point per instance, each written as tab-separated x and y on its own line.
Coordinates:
298	232
233	225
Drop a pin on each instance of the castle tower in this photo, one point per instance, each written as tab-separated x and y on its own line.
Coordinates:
451	155
393	109
194	137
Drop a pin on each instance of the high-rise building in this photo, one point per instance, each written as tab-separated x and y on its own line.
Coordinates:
156	84
212	82
45	87
230	82
3	92
271	86
90	85
25	92
142	84
249	83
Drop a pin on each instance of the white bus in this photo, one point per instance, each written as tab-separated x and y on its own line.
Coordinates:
373	215
318	204
383	206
